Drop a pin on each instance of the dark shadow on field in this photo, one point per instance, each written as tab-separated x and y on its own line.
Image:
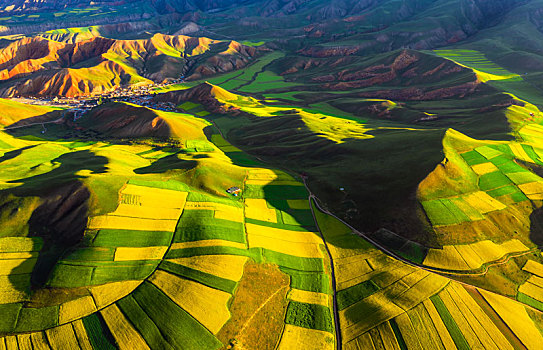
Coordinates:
61	218
380	175
536	218
238	158
536	227
52	126
162	165
14	154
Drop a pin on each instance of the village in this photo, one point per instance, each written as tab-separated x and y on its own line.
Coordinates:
141	95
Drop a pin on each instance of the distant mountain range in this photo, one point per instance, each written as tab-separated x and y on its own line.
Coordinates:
380	25
162	6
46	67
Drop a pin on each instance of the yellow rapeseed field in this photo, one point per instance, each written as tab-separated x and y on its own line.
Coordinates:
484	168
267	174
514	245
258	209
139	253
387	336
122	330
17	244
489	335
284	235
532	133
302	250
304	296
490	251
10	342
351	271
515	316
75	309
460	320
532	290
129	223
344	252
519	152
111	292
446	258
24	341
437	321
221	211
534	268
62	337
538	281
488	152
146	212
294	337
20	255
208	243
16	266
233	215
470	256
483	202
366	314
225	266
362	342
155	197
422	285
39	341
81	334
472	213
474	255
207	305
533	190
417	318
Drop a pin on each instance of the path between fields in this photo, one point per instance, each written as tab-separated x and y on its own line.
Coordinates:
476	272
332	272
260	308
23	126
56	121
314	199
421	266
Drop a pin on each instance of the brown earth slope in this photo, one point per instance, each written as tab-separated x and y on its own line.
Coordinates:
38	66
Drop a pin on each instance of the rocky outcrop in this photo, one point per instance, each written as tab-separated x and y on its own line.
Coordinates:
396	73
38	66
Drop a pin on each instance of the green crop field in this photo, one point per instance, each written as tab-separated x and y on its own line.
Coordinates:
271	175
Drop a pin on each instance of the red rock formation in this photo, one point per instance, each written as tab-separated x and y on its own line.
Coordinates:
46	67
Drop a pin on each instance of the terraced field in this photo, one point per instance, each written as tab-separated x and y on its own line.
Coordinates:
385	303
485	69
156	250
127	237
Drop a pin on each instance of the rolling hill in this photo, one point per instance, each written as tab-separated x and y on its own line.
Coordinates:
271	174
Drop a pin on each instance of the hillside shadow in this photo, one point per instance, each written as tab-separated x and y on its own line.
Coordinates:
380	174
14	154
171	162
536	227
61	218
69	164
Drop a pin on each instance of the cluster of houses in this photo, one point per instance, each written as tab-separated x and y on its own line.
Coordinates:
140	95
